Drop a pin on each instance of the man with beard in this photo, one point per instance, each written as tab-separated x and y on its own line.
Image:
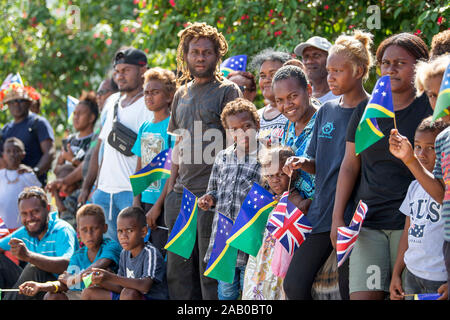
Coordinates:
127	107
196	110
314	53
44	242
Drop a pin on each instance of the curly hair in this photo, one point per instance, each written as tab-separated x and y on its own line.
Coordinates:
33	192
425	70
166	77
196	31
428	125
440	44
92	210
237	106
268	54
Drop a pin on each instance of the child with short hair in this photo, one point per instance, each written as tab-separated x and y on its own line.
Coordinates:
260	282
234	171
152	138
97	252
13	181
142	270
420	256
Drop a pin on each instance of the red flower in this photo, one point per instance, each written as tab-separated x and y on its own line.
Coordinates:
439	20
108	42
135	2
172	3
270	13
125	29
326	7
351	26
133	30
417	32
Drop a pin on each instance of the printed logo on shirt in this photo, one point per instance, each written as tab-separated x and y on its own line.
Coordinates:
416	230
130	273
327	130
151	145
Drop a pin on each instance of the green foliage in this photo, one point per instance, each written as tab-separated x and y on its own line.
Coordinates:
42	40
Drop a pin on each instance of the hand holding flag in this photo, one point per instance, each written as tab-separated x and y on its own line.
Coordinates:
347	236
234	63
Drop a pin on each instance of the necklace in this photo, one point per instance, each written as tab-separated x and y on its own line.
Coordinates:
11	181
135	97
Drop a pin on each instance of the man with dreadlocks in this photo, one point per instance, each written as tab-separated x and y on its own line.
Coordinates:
196	108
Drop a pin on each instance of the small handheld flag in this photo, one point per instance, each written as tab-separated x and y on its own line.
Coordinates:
4	231
248	229
184	233
157	169
234	63
87	280
289	225
443	99
380	105
221	264
71	104
427	296
347	236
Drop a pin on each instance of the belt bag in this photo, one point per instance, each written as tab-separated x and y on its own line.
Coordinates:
121	138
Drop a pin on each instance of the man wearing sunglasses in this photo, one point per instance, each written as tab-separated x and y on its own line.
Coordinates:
34	130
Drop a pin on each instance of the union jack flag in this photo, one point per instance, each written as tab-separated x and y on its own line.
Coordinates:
3	229
347	236
288	224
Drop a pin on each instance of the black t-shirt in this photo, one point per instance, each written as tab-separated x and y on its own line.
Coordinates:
384	179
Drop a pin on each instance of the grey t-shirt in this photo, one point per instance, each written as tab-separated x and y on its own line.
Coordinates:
149	263
195	111
327	147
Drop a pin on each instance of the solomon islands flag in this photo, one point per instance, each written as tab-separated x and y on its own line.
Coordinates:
248	229
234	63
380	105
443	99
158	168
184	233
222	262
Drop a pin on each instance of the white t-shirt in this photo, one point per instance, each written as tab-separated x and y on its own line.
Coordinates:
424	257
117	168
328	96
9	211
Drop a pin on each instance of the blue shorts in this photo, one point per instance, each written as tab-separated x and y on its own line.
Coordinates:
116	296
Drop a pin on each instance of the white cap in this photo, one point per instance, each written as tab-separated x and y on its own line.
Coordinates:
316	42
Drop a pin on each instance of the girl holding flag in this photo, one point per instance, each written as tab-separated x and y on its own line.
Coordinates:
377	177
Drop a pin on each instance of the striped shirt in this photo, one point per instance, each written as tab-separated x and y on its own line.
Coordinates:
441	169
149	263
230	181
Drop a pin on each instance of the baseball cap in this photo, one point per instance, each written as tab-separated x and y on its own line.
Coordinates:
130	56
316	42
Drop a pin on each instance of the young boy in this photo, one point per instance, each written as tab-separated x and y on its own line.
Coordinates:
233	174
420	256
13	179
142	270
159	88
98	251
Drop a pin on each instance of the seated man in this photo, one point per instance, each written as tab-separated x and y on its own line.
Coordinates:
45	242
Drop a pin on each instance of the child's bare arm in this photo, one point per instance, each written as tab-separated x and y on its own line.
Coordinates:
401	148
114	282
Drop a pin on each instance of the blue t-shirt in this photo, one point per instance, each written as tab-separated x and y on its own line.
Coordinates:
152	138
327	148
32	131
60	240
109	249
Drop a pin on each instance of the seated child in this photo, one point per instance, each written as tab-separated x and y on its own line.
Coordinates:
12	181
142	270
234	171
98	251
260	283
420	257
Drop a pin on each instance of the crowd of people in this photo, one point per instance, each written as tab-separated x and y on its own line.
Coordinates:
103	242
